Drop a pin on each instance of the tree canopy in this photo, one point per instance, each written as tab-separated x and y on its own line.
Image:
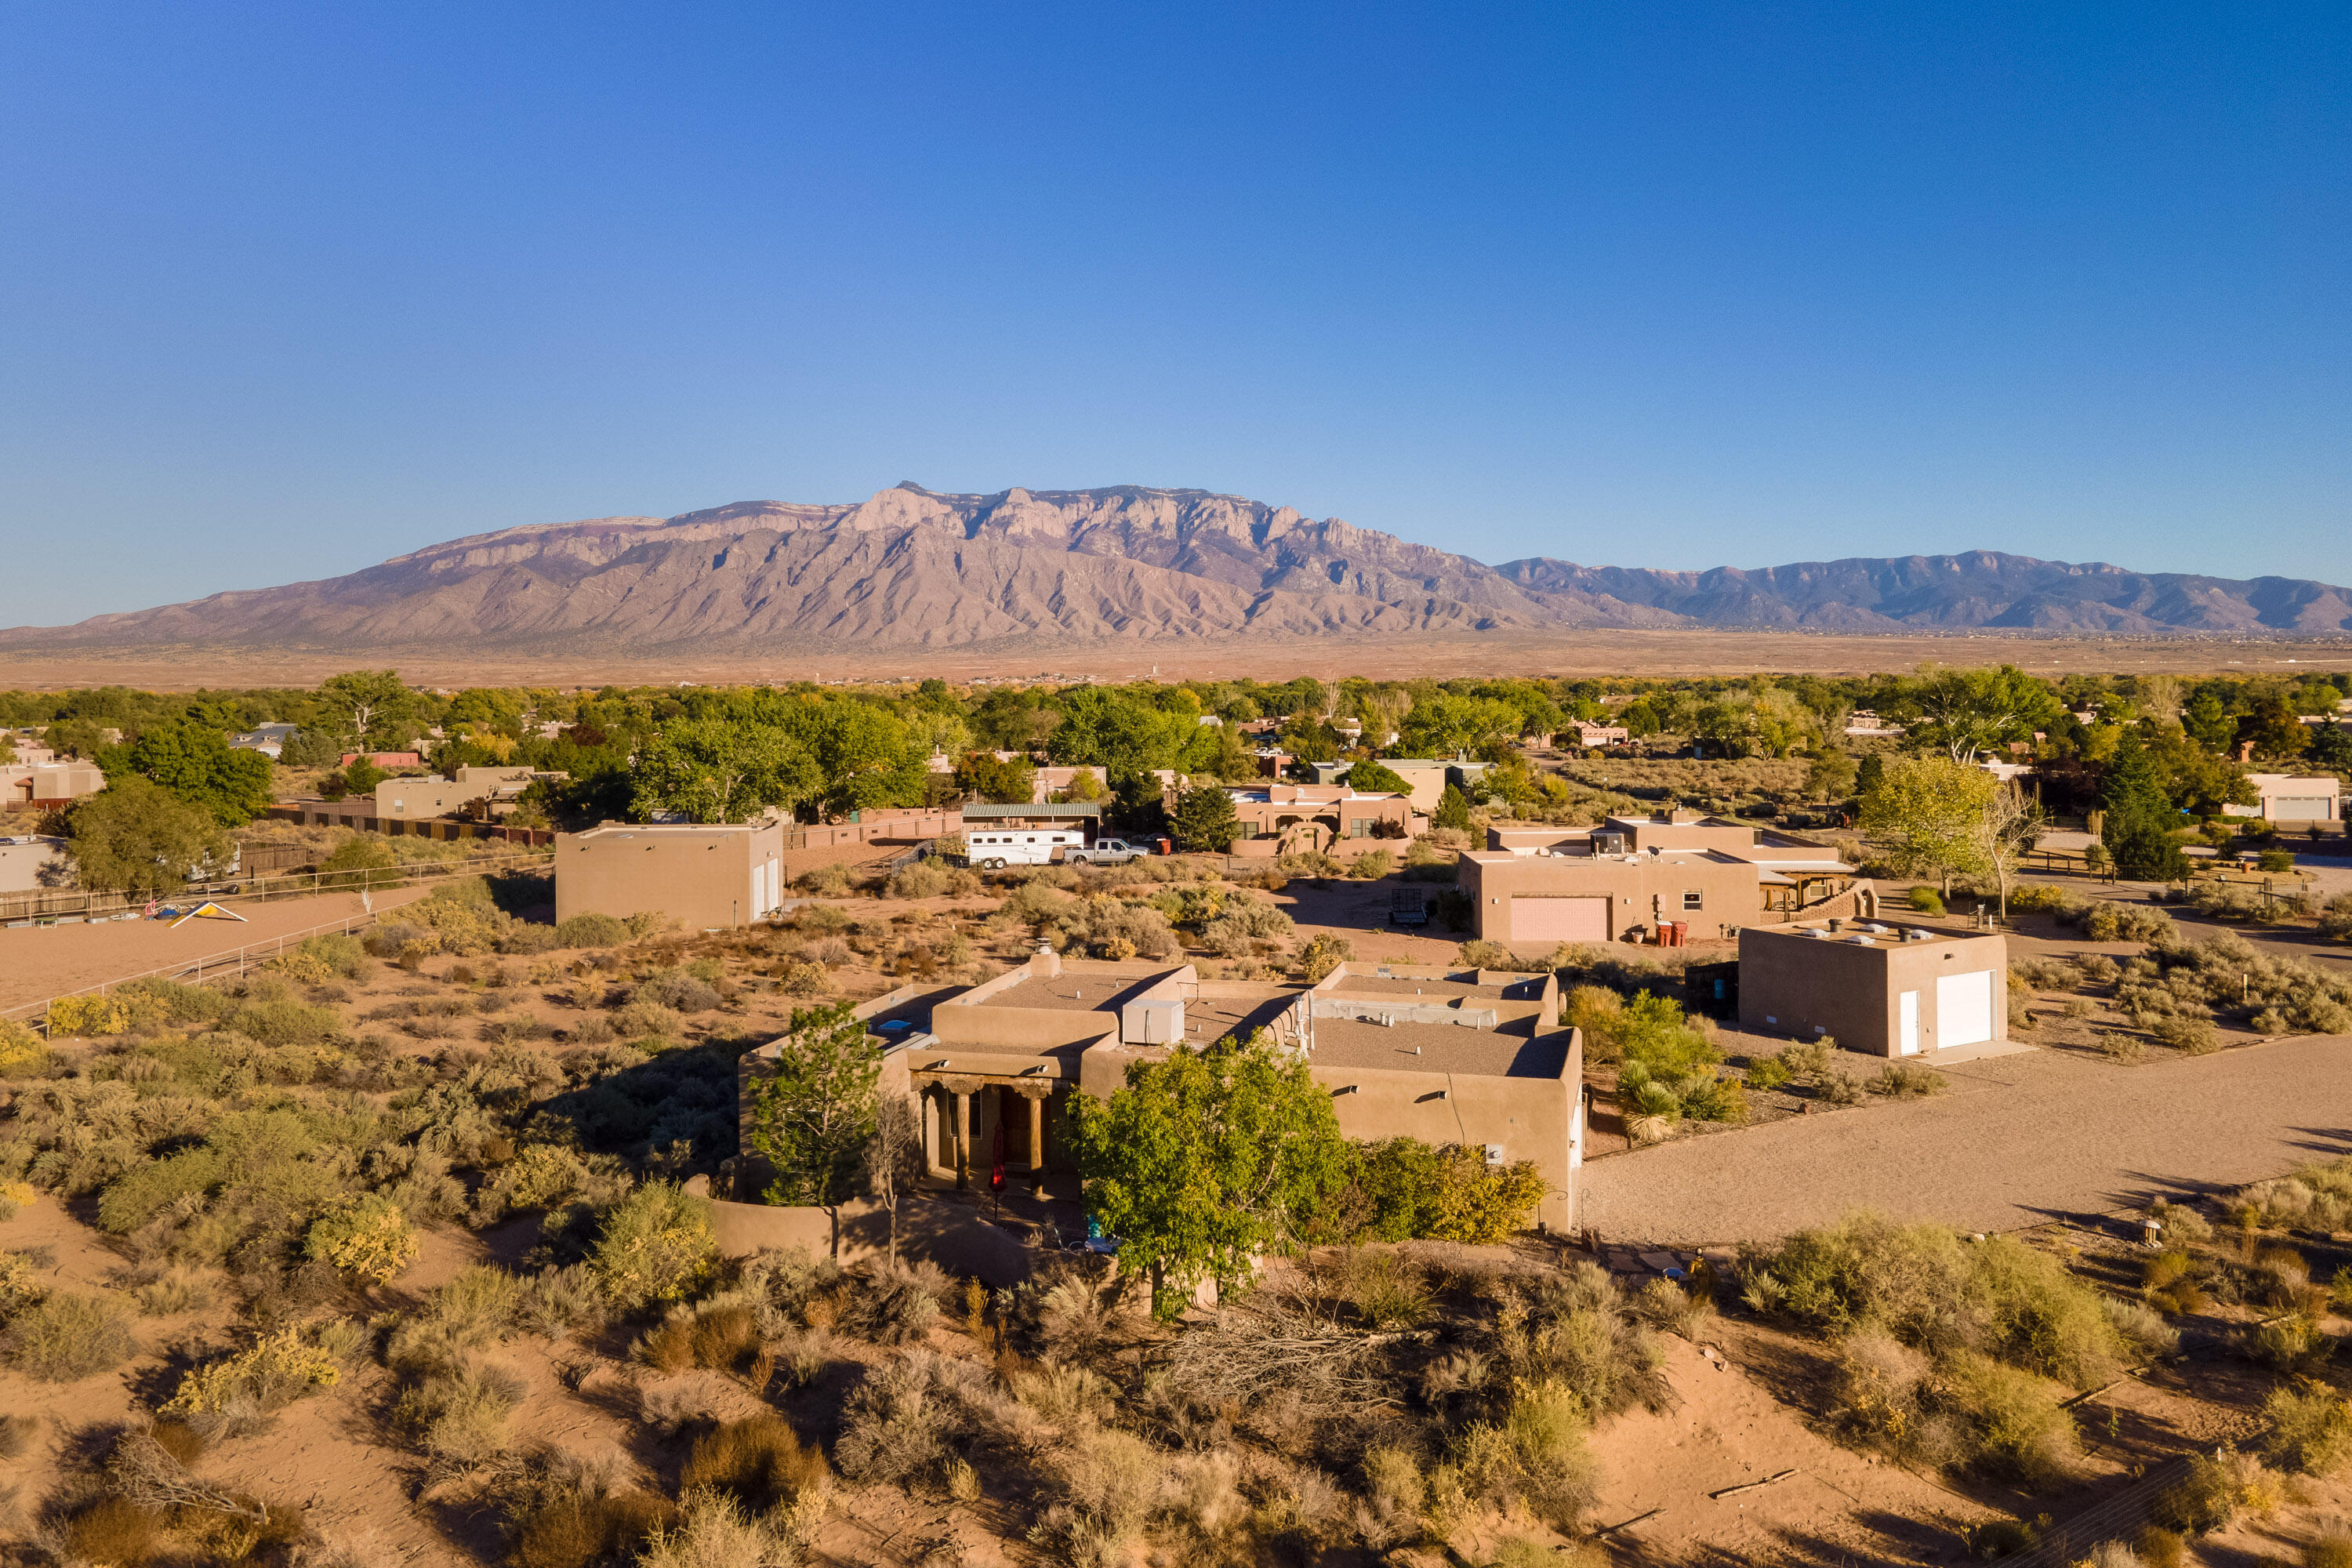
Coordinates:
1205	822
135	837
1927	811
1208	1158
197	765
1370	777
714	771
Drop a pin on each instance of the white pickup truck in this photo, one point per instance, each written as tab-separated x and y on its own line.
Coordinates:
1105	852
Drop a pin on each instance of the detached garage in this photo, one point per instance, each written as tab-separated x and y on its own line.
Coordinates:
1881	989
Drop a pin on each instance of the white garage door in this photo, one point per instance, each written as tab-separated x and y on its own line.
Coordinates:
2301	809
1559	919
1963	1009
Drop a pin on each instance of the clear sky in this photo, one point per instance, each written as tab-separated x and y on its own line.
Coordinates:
288	289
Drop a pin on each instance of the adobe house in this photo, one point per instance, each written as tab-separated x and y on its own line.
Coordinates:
1538	885
1325	813
29	862
1465	1056
1881	989
423	796
708	875
34	785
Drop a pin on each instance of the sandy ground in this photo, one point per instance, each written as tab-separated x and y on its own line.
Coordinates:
1566	652
50	960
2016	1140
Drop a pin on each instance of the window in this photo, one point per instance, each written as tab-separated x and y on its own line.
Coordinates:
1694	901
1359	827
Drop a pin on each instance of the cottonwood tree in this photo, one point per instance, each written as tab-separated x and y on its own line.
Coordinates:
1929	812
1207	1159
816	1118
1968	712
366	697
198	765
2003	831
714	771
133	836
894	1159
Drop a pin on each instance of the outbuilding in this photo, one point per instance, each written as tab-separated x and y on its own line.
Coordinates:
707	874
1882	990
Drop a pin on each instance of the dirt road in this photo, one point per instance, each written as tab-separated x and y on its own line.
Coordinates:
2016	1140
50	960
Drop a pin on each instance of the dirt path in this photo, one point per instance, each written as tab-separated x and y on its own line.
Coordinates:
41	961
2016	1140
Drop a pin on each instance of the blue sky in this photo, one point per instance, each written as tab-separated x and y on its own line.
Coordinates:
285	290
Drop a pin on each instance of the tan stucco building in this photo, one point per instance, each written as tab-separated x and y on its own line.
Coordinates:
705	876
1879	989
1326	814
1450	1057
1535	885
48	782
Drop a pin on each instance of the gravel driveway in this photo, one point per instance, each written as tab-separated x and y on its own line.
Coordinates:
2015	1140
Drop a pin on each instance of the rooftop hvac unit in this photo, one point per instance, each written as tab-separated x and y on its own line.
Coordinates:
1493	1153
1152	1022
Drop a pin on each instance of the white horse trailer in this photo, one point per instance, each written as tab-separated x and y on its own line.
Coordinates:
996	848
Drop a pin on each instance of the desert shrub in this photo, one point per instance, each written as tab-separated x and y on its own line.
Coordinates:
1769	1073
1904	1081
368	1238
2335	918
21	1050
896	1308
932	879
655	1245
590	931
897	1420
114	1530
1921	1284
1323	955
89	1016
473	1311
830	880
2040	897
649	1020
1402	1189
2192	1036
2141	1328
239	1391
2290	1343
678	989
760	1461
2216	1489
67	1336
2017	1430
720	1337
715	1531
1666	1305
574	1523
802	977
1112	927
1246	922
2310	1428
458	1415
1927	901
543	1175
2106	921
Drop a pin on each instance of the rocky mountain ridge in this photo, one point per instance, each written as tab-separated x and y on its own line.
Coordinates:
917	569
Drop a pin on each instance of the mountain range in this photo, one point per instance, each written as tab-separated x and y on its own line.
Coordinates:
912	569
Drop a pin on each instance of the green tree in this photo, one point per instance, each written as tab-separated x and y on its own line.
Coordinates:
2331	746
309	747
1106	728
2275	729
817	1117
1448	726
714	771
1372	778
2210	721
1215	751
1453	809
1205	822
365	700
1207	1159
2138	831
1968	712
1137	806
199	766
1832	776
135	837
1011	783
1927	811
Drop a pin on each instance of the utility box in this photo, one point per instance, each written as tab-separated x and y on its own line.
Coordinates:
1153	1021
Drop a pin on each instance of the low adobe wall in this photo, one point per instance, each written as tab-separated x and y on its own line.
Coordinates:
929	1230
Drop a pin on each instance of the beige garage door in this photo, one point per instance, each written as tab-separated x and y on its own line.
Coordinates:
2300	808
1559	919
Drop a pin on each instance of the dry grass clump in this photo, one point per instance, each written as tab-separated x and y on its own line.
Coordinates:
760	1461
719	1337
67	1336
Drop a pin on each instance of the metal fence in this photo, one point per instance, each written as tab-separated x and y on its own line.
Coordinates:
44	907
211	964
2117	1517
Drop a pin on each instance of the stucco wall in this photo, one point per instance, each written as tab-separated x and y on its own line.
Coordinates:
1728	889
1792	983
701	880
930	1230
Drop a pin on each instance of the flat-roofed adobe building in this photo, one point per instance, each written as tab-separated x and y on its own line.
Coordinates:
1451	1056
1278	814
1882	990
706	876
1536	885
